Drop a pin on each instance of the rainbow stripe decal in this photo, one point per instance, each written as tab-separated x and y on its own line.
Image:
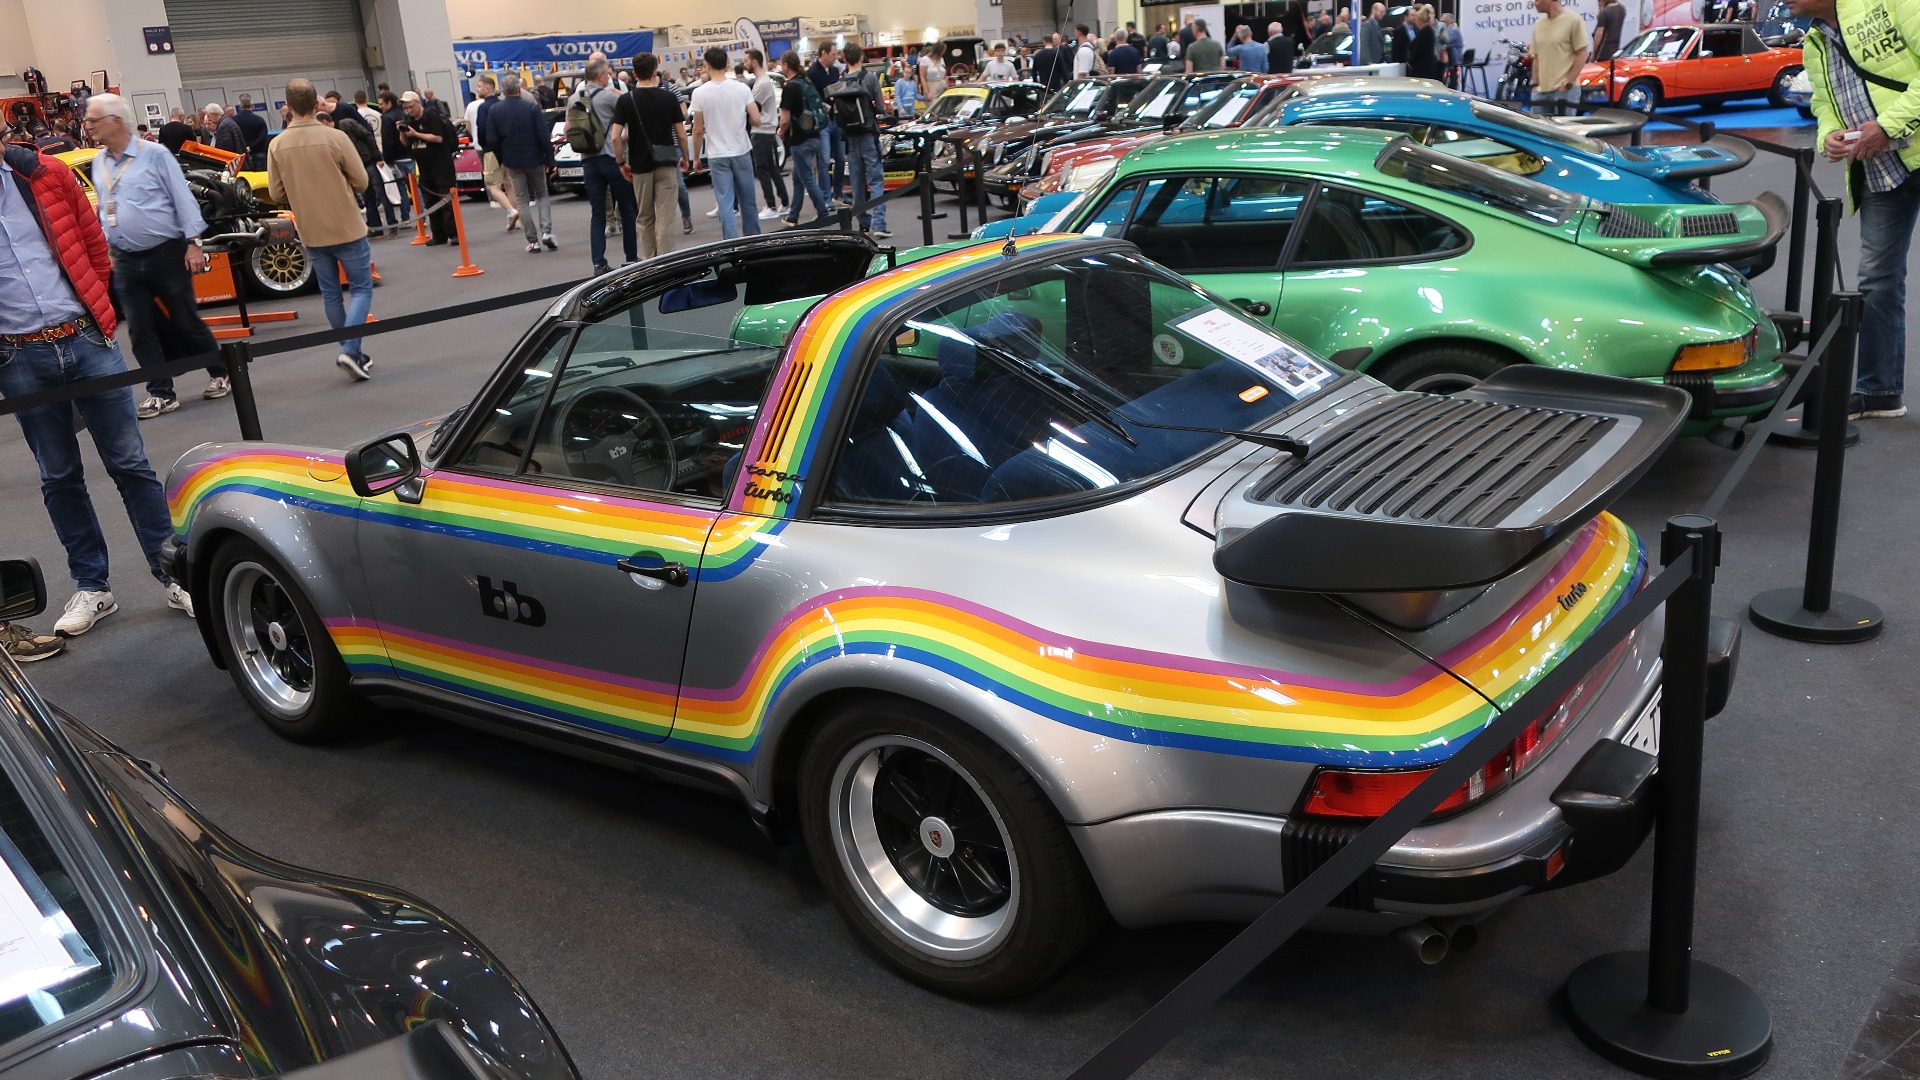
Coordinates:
552	521
1130	694
784	441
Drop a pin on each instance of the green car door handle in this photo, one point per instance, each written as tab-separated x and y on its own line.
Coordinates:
672	573
1253	307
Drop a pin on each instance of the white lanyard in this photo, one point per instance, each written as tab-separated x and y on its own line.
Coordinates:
111	216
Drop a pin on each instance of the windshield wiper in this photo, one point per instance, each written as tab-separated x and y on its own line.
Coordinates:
1297	447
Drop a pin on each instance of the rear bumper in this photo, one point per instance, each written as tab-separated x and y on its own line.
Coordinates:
1193	864
1723	397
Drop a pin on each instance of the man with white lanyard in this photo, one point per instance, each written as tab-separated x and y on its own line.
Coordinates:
153	225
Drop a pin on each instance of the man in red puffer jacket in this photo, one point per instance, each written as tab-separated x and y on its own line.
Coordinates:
56	329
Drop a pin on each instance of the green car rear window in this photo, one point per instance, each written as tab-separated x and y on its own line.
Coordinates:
1490	187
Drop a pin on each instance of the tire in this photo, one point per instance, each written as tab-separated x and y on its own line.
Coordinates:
1440	369
989	904
1641	95
277	649
1778	94
279	269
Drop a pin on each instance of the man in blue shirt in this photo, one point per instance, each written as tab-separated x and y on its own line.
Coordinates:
56	329
1249	56
153	225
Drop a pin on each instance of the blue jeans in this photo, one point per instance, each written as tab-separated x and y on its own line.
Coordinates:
1886	235
602	174
869	177
404	167
807	158
733	190
686	207
835	142
356	258
55	442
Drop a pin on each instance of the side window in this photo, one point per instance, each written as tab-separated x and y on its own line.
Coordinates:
1721	43
658	397
1486	151
1348	226
1217	223
1111	218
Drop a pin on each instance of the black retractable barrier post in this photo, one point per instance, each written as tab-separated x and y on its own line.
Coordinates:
960	191
239	358
1662	1012
927	215
1826	261
980	182
1797	234
1706	131
1815	612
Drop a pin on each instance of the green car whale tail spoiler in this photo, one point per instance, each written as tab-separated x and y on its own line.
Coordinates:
1417	492
1686	235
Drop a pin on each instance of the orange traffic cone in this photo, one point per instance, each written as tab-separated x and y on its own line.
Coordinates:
466	267
419	211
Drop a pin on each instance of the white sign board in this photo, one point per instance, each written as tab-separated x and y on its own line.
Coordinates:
1483	23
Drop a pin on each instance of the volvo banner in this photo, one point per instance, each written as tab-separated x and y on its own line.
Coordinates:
551	49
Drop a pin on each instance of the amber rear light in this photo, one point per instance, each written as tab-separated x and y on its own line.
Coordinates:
1718	355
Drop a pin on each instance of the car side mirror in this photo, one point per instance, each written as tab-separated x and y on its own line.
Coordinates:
383	465
23	590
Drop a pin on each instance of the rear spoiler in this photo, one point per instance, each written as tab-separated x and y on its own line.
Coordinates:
1771	206
1419	492
1732	154
1604	122
1688	235
432	1051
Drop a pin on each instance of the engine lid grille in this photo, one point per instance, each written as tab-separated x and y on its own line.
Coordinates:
1622	225
1438	460
1723	223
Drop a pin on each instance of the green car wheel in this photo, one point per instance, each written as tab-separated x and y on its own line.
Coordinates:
1440	369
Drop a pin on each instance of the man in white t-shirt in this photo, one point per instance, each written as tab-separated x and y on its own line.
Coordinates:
1084	55
999	69
723	115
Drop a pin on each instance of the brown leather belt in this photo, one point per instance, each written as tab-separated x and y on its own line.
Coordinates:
56	332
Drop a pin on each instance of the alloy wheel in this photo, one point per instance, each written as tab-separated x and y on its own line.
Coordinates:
282	268
269	639
924	847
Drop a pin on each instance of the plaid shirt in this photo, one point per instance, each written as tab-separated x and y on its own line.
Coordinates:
1850	96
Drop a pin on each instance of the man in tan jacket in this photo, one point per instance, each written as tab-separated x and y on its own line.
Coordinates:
313	170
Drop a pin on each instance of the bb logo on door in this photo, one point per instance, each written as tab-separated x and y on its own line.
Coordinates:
509	603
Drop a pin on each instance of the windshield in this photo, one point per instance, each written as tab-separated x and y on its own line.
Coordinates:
1076	99
1226	110
1483	184
1329	43
1665	43
1545	129
1061	379
1154	102
52	955
953	107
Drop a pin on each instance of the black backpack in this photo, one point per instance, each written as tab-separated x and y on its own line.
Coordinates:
813	118
852	105
362	139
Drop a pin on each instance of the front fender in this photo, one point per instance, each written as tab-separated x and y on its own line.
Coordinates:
294	503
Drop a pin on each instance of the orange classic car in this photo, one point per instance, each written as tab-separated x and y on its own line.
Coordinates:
1692	64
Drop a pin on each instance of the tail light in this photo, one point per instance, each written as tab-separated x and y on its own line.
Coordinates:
1718	355
1369	793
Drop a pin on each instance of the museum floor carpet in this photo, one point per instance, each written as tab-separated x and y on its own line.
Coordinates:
665	938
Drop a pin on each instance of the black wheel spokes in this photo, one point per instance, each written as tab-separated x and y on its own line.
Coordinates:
975	879
293	662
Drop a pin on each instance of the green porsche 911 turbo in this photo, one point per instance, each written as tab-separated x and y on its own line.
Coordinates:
1431	272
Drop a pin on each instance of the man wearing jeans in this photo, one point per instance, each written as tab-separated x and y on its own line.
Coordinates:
1866	97
1560	48
600	173
863	150
153	226
797	98
314	171
723	114
56	329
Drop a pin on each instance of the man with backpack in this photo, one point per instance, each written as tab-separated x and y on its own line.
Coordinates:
823	74
803	116
723	116
589	118
855	104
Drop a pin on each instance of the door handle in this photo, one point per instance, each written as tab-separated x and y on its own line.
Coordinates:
1253	307
672	573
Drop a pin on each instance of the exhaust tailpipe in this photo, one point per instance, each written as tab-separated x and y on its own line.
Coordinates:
1462	934
1426	941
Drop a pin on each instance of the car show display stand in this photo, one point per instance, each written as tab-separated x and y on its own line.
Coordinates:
1660	1012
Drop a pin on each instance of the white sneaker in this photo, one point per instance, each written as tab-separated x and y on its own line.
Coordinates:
86	608
154	405
769	214
354	366
178	600
217	387
715	212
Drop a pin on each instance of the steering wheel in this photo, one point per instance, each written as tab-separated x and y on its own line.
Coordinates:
631	446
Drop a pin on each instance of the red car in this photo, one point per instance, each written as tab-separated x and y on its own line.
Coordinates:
1695	64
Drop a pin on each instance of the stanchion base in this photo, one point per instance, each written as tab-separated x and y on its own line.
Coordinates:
1724	1033
1847	619
1791	435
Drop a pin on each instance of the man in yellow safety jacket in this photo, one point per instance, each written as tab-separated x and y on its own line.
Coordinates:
1866	96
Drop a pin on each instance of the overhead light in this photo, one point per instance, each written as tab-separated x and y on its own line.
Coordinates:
932	34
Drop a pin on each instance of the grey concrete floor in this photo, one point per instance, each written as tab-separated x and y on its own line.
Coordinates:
664	937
